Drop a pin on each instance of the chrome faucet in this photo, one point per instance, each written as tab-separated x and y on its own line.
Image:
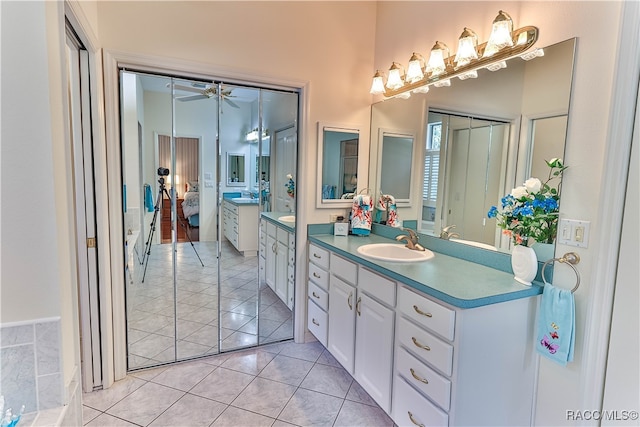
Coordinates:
411	239
446	234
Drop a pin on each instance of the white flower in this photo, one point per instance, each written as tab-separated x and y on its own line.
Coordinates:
533	185
519	192
289	176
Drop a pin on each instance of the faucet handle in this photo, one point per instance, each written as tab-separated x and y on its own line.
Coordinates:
412	234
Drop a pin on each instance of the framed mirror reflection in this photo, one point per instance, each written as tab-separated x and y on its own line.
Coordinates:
338	147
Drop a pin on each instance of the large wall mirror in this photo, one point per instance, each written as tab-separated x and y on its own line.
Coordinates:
338	147
476	140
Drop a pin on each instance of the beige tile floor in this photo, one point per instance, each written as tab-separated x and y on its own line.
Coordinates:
281	384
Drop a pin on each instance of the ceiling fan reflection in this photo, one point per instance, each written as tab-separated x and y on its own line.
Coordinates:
205	92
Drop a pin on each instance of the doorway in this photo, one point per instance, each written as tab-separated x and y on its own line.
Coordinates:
199	293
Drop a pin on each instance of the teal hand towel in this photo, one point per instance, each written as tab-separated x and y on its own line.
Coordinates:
148	198
556	325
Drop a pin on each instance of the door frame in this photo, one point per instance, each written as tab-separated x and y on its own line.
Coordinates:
113	62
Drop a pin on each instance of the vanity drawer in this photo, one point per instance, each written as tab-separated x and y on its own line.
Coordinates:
318	295
425	379
319	256
283	236
292	241
319	276
317	322
411	408
427	313
292	256
425	346
271	229
291	273
377	286
344	269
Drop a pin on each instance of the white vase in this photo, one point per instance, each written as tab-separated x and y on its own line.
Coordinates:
524	264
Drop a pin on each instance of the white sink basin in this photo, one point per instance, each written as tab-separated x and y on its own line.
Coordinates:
394	252
287	218
244	199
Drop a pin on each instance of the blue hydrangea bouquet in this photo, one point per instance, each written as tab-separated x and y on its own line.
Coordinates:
531	210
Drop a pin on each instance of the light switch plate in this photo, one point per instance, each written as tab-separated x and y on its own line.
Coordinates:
573	232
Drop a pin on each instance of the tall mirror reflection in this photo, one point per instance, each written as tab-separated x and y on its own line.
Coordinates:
192	216
479	139
337	177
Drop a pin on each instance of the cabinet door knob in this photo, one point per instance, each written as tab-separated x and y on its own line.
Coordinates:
315	322
315	295
415	307
349	300
419	378
358	305
413	419
417	344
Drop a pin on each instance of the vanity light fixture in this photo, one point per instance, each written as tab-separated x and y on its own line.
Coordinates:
415	68
504	43
467	47
377	86
394	81
497	66
533	54
436	65
501	34
253	136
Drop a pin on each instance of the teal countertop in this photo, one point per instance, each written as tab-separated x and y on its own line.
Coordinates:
241	202
461	283
273	218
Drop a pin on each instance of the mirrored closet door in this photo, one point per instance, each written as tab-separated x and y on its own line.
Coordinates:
198	160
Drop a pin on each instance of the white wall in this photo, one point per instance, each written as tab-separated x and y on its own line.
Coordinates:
329	44
38	278
596	24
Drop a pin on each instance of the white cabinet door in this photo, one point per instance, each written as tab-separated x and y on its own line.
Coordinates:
342	322
282	262
270	262
374	349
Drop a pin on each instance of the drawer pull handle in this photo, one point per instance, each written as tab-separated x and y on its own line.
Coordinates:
315	295
417	344
413	374
315	322
316	275
358	305
415	307
349	300
413	419
316	255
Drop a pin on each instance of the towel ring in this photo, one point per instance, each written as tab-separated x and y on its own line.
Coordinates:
570	258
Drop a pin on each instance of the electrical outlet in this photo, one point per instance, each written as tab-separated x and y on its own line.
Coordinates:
333	217
573	232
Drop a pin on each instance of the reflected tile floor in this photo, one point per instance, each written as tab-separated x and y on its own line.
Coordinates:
163	322
281	384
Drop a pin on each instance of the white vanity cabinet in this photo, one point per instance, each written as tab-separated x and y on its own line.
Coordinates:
279	261
463	366
318	293
240	226
361	326
425	362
